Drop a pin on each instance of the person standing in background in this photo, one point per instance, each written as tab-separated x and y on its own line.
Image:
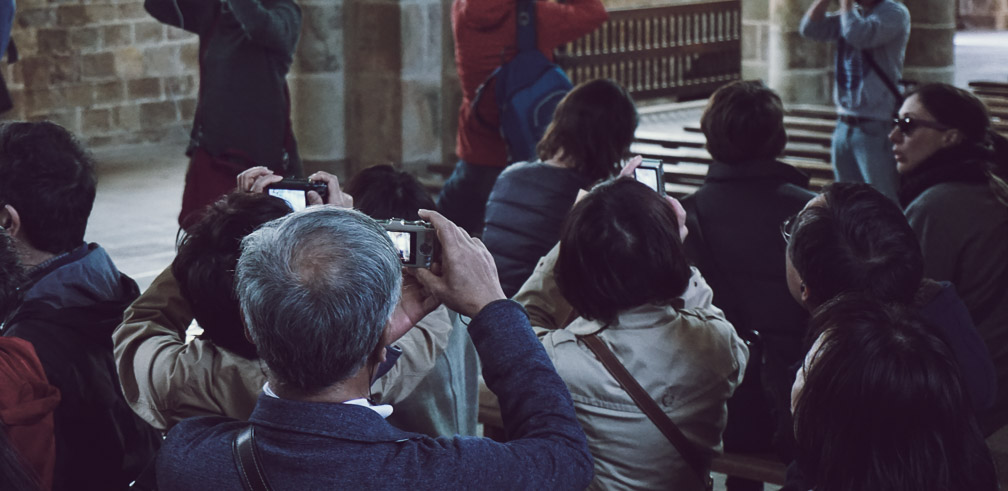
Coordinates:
243	111
485	37
871	37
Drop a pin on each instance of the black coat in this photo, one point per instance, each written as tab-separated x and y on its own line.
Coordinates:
735	240
69	313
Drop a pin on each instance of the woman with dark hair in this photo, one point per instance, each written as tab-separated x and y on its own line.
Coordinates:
883	406
620	273
585	143
954	168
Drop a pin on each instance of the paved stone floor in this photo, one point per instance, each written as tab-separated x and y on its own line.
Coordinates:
140	188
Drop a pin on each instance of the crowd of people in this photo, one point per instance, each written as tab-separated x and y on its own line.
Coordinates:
859	333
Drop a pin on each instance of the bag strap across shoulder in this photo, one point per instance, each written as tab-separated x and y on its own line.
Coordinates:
526	25
882	75
247	458
688	450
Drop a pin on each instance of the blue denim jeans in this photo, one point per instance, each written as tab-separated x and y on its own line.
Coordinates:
464	196
863	153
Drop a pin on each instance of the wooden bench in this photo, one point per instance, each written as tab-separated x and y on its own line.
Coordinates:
757	467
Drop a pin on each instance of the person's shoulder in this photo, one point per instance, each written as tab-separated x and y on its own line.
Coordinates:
891	7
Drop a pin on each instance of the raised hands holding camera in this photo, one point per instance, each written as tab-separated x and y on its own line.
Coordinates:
466	278
320	187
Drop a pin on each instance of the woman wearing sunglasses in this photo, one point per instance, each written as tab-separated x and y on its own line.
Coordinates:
953	169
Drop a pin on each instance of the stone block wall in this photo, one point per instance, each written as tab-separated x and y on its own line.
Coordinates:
104	69
983	14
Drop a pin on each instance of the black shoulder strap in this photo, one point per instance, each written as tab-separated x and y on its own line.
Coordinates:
526	22
689	451
885	78
247	458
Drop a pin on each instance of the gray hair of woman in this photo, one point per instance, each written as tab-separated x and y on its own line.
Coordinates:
317	288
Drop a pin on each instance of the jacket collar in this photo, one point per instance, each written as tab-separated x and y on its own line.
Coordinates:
343	421
641	317
756	170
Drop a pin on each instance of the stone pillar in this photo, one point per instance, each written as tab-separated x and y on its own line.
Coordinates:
424	113
930	53
797	68
317	82
755	39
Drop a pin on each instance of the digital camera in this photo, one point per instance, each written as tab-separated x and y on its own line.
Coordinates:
650	172
295	191
416	241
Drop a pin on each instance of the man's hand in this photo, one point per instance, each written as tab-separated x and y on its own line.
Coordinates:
255	179
414	304
467	280
336	195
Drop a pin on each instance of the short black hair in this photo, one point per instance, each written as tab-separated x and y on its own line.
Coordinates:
12	276
743	121
49	179
859	241
620	248
884	406
206	260
383	192
594	125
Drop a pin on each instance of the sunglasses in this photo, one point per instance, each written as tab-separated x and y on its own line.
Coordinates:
907	125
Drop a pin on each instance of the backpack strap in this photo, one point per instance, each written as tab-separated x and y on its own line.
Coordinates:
526	23
882	75
687	449
246	456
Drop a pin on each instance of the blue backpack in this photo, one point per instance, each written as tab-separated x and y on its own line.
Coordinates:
527	89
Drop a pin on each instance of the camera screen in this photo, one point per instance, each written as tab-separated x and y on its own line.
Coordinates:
403	242
295	198
647	175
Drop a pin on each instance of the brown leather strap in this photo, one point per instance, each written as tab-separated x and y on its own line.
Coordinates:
247	457
689	451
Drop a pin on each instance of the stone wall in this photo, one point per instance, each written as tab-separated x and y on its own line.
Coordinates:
983	14
104	69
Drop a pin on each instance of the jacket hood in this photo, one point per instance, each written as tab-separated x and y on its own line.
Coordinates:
82	290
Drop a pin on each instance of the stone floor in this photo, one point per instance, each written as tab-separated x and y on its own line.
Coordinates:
140	188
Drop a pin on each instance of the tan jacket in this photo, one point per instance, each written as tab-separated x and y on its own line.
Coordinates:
166	380
688	359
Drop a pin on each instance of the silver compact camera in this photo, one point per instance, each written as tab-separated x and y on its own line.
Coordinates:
416	242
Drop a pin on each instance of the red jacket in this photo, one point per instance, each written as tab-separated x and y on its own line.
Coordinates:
27	402
484	39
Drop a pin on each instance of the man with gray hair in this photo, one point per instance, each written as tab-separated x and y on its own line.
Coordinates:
322	294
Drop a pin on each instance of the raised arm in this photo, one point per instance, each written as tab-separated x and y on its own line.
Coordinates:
163	378
275	27
560	23
886	23
540	295
421	347
817	24
192	15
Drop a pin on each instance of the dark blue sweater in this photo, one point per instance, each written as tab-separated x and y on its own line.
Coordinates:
332	446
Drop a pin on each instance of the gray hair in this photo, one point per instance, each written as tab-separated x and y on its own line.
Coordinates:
317	289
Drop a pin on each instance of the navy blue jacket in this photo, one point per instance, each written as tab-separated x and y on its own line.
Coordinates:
331	446
524	214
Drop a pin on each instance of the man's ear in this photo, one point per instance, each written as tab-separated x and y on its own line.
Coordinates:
10	220
804	290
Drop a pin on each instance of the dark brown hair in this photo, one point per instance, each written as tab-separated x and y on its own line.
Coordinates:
620	248
594	125
744	121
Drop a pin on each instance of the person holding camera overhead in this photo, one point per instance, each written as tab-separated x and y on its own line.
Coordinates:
243	109
619	271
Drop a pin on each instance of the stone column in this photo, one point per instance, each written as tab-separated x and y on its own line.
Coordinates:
930	53
425	25
317	82
755	39
797	68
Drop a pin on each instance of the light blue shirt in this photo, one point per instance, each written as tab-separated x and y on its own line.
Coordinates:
883	32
